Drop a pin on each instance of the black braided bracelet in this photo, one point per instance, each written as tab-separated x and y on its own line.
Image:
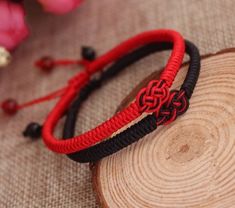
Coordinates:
176	106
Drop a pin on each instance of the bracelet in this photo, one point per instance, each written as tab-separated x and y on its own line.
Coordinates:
168	113
157	90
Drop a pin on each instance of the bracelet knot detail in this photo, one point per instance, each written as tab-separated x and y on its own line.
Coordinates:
151	98
176	105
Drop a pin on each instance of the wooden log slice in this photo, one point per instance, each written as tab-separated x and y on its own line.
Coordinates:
188	164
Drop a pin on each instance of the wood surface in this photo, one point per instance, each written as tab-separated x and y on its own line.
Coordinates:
188	164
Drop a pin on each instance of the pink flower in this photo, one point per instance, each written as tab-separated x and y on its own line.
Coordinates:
60	6
12	24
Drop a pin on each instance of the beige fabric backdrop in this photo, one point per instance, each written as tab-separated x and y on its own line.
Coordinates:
32	176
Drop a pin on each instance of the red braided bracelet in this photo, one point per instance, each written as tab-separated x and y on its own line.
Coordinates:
149	99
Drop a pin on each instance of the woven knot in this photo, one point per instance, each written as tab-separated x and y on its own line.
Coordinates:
151	98
176	105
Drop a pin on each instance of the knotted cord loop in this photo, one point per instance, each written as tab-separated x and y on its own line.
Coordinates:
151	98
125	116
176	105
145	125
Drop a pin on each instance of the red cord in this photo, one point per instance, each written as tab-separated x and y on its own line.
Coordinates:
47	63
48	97
11	107
66	62
122	118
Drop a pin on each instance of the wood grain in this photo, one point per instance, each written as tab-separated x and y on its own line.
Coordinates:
190	163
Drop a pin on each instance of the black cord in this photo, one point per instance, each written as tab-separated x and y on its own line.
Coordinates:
147	124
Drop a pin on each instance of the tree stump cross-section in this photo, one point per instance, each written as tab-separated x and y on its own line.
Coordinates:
188	164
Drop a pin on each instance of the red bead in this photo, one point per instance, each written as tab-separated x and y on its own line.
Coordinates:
46	63
10	106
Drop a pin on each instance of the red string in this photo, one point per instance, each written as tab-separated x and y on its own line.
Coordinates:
58	93
48	97
66	62
46	63
61	62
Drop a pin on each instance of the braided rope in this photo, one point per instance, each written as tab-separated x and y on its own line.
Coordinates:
175	106
151	98
128	114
